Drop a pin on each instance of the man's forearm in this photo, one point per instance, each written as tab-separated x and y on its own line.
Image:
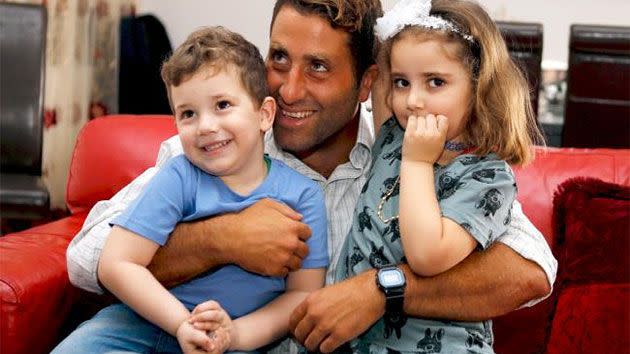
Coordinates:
485	285
192	248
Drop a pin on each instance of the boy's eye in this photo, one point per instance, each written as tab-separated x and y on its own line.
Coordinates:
435	82
187	114
400	83
221	105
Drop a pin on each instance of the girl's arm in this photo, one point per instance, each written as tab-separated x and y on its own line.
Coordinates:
271	322
432	243
122	270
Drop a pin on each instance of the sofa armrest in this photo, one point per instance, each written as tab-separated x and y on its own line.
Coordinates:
36	295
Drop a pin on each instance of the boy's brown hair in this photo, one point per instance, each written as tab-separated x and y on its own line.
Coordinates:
214	49
357	17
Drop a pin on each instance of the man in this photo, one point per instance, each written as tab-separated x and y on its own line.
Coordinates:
320	67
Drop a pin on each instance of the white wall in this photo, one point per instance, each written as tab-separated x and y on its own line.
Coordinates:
251	17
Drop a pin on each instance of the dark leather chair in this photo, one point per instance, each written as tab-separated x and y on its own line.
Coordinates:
525	43
597	108
22	63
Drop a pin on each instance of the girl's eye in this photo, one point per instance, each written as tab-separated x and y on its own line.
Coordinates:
400	83
187	114
436	82
221	105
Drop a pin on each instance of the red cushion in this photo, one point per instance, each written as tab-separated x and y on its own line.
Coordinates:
110	152
592	221
592	319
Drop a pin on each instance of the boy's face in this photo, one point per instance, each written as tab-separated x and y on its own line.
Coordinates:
310	73
219	124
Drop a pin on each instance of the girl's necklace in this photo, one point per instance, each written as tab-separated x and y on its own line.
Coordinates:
384	199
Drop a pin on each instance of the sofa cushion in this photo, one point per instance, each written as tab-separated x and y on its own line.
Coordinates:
592	318
591	225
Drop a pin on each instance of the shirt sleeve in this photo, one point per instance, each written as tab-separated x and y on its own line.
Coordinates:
85	249
162	204
313	209
478	198
523	237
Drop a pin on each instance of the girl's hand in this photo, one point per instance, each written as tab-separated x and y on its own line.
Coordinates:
210	317
191	340
424	138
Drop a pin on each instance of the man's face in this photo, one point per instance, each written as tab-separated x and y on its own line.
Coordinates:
311	75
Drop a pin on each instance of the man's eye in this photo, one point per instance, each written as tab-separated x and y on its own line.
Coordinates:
279	57
221	105
319	67
187	114
400	83
436	82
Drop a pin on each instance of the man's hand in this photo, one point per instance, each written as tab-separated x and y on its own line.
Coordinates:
268	239
338	313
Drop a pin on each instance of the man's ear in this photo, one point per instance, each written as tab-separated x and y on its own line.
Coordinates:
267	113
366	82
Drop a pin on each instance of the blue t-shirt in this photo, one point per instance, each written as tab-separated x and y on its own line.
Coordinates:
182	192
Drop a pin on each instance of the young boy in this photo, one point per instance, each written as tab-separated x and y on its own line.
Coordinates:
218	93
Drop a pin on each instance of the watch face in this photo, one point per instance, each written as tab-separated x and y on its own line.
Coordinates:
390	278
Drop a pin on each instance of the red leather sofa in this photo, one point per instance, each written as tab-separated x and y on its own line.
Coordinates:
38	301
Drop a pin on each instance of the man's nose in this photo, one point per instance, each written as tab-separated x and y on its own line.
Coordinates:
292	89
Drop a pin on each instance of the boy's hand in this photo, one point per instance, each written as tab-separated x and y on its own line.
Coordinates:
424	138
192	340
211	318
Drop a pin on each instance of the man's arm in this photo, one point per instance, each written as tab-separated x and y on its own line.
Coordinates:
484	285
266	238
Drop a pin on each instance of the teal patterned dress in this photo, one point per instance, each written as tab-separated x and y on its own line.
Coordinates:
475	191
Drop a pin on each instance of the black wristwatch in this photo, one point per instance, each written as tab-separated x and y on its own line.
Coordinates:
391	281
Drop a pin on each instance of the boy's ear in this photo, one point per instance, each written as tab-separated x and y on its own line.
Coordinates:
366	82
267	113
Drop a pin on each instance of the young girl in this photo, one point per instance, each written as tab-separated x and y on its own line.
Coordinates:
441	185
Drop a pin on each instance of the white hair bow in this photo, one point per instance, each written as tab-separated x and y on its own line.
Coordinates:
412	13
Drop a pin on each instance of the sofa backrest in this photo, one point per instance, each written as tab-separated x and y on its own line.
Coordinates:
538	181
110	152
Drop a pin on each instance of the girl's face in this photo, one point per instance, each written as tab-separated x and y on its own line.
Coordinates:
427	78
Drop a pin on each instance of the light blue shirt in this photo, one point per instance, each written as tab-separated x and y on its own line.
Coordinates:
182	192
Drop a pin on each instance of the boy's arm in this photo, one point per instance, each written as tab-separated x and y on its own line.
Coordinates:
122	269
431	243
271	322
